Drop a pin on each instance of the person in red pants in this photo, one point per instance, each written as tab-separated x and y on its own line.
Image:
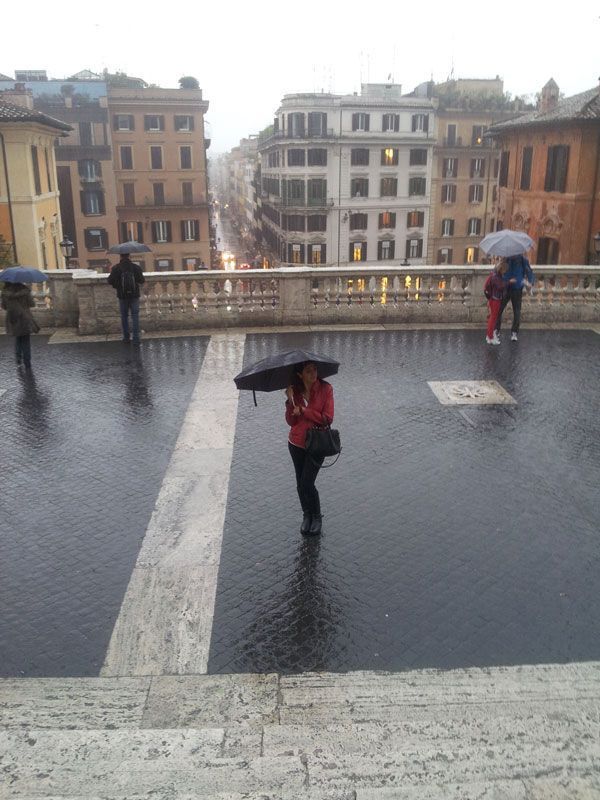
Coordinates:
495	290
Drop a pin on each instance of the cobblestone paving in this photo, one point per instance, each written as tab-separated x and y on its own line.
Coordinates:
453	536
85	444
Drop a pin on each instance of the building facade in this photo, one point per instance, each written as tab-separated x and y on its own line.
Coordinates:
549	180
30	222
346	179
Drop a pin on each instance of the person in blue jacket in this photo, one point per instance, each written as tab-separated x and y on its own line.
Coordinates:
519	274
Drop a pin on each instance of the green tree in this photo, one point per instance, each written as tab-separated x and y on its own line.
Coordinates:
188	82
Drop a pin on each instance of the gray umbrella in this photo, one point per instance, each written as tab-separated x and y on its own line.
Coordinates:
506	243
129	247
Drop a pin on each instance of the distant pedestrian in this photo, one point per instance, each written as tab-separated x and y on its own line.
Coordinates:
18	301
495	290
127	277
309	403
516	278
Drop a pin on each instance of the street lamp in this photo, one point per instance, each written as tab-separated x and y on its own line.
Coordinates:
597	246
67	247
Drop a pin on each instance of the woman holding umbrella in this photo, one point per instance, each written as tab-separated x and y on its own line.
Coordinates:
309	403
17	301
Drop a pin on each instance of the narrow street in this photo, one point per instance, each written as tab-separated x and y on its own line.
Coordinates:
229	242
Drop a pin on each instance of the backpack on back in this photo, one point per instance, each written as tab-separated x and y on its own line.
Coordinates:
128	283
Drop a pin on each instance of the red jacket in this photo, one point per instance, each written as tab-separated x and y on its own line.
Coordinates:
318	411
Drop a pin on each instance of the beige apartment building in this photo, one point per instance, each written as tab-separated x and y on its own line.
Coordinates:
159	156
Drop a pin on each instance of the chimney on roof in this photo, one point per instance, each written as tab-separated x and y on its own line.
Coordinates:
19	95
549	96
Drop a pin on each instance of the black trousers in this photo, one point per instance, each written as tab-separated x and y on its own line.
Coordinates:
515	297
306	475
23	350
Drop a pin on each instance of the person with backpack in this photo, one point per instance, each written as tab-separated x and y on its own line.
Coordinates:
517	276
494	289
127	277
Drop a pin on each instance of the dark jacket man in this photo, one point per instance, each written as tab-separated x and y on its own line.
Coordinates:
116	277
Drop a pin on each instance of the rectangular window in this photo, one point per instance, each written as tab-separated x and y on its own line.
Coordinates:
185	157
163	264
389	187
187	193
450	168
359	187
418	157
296	158
273	159
184	122
415	219
420	123
47	160
161	231
385	250
92	202
496	167
478	167
447	227
477	135
295	192
317	191
132	232
154	122
526	164
417	186
471	255
359	222
450	135
360	121
387	219
316	222
126	157
444	255
123	122
36	170
390	122
190	264
159	194
547	251
156	159
476	193
474	227
359	157
316	254
448	193
296	124
129	194
89	170
556	168
504	162
317	157
296	253
389	157
190	230
86	137
414	248
358	251
96	239
317	123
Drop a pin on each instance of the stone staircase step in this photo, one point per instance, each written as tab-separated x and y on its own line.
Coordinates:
515	789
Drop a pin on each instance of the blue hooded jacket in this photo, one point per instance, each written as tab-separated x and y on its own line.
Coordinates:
520	269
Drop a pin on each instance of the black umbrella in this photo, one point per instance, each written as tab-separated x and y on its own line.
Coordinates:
279	371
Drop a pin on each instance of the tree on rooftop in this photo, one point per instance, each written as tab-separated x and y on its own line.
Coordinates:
188	82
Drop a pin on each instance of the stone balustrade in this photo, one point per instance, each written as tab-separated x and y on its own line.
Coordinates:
305	296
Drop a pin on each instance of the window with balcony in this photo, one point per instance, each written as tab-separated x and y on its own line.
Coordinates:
387	220
131	232
317	254
187	193
317	191
415	219
36	170
450	168
89	170
414	248
317	123
296	158
476	193
359	157
190	230
504	162
418	157
526	164
96	239
86	134
317	157
123	122
295	192
185	157
389	157
420	123
385	250
158	190
448	193
184	122
296	124
358	251
474	227
556	168
360	121
154	122
390	122
359	222
447	227
273	159
451	135
444	255
126	152
478	167
92	202
389	187
161	231
359	187
477	135
316	222
417	186
129	194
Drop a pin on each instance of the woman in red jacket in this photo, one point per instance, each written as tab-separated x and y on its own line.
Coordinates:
309	403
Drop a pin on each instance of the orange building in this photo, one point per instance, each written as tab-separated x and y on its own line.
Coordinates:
550	176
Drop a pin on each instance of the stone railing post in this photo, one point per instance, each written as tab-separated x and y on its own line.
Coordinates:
294	294
64	297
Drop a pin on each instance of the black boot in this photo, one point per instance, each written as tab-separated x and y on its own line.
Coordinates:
306	523
316	525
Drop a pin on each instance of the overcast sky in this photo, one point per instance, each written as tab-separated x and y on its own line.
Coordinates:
247	55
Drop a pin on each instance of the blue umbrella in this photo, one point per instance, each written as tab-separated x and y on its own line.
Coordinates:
22	275
129	247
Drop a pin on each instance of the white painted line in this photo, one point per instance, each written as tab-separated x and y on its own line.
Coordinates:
165	622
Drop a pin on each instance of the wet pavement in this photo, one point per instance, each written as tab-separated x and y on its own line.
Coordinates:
453	535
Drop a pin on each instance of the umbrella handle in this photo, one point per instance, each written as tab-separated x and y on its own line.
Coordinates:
254	396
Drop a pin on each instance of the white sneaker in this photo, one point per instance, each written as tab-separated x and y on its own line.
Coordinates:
493	340
514	337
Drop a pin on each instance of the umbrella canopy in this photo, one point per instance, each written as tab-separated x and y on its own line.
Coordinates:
129	247
278	371
506	243
22	275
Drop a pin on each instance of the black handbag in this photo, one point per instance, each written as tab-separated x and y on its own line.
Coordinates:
323	441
